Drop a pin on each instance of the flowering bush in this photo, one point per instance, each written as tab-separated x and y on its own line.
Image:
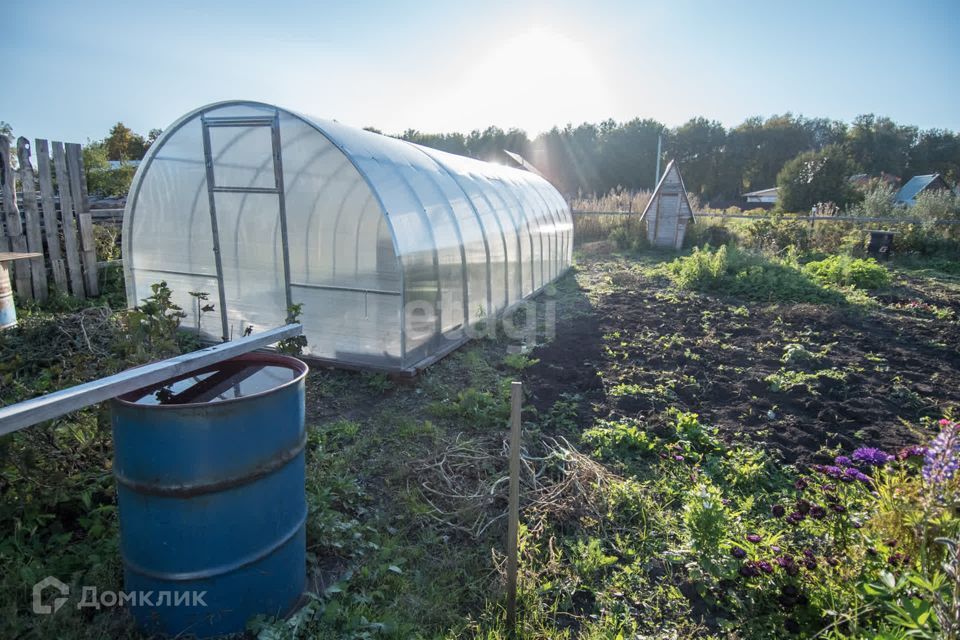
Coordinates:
862	547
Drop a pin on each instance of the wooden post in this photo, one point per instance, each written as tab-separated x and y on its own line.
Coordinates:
31	217
51	223
15	240
513	522
70	242
78	187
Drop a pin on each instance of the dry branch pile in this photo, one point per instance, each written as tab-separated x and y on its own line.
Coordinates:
466	484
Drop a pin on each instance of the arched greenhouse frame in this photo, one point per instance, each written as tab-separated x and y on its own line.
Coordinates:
391	248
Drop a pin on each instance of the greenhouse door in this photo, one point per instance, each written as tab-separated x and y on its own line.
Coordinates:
248	220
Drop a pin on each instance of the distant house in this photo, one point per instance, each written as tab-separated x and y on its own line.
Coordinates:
763	196
920	184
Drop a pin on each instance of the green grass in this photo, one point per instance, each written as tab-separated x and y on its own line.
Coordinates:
626	531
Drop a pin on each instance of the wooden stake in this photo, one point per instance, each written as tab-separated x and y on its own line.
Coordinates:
513	526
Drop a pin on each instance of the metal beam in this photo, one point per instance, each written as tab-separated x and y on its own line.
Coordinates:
54	405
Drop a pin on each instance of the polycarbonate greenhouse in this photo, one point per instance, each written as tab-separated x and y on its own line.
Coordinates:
391	248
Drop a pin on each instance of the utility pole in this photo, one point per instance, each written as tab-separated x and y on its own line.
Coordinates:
656	178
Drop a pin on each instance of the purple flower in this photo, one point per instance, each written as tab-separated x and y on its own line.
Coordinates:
942	458
784	560
765	566
842	461
852	473
787	564
754	537
808	552
801	484
810	563
872	456
830	470
817	512
914	451
795	517
838	508
678	458
778	510
738	552
749	570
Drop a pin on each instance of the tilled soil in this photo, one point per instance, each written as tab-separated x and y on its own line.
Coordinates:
628	345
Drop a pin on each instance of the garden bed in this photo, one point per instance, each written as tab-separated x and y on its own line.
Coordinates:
800	378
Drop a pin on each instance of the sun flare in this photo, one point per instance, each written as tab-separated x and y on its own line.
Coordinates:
532	79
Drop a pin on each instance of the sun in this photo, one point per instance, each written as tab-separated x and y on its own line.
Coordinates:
533	79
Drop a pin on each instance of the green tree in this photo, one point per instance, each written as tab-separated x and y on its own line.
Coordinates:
817	176
123	144
880	144
697	146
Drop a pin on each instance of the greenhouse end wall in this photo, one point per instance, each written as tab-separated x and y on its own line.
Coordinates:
392	250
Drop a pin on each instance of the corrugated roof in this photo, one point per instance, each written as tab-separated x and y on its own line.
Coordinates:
914	186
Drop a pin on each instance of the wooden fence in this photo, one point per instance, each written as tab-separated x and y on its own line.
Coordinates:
811	219
55	220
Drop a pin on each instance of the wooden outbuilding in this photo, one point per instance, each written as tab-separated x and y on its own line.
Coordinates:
669	212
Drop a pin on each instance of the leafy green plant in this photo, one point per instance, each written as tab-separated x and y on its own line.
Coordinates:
734	272
293	346
619	439
519	361
788	379
378	382
480	409
796	354
153	325
849	272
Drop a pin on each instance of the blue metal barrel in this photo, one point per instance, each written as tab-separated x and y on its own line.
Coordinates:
210	481
8	312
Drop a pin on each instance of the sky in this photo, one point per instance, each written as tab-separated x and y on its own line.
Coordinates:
453	65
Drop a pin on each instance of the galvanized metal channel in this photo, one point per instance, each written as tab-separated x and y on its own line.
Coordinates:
214	228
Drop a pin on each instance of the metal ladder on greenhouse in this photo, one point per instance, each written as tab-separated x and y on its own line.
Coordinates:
273	122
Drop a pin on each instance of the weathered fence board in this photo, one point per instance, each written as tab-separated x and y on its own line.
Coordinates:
31	219
51	223
15	240
70	241
78	186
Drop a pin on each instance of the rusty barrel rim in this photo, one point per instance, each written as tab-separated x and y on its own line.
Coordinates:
281	360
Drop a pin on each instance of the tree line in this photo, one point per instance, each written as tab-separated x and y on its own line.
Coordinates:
719	164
